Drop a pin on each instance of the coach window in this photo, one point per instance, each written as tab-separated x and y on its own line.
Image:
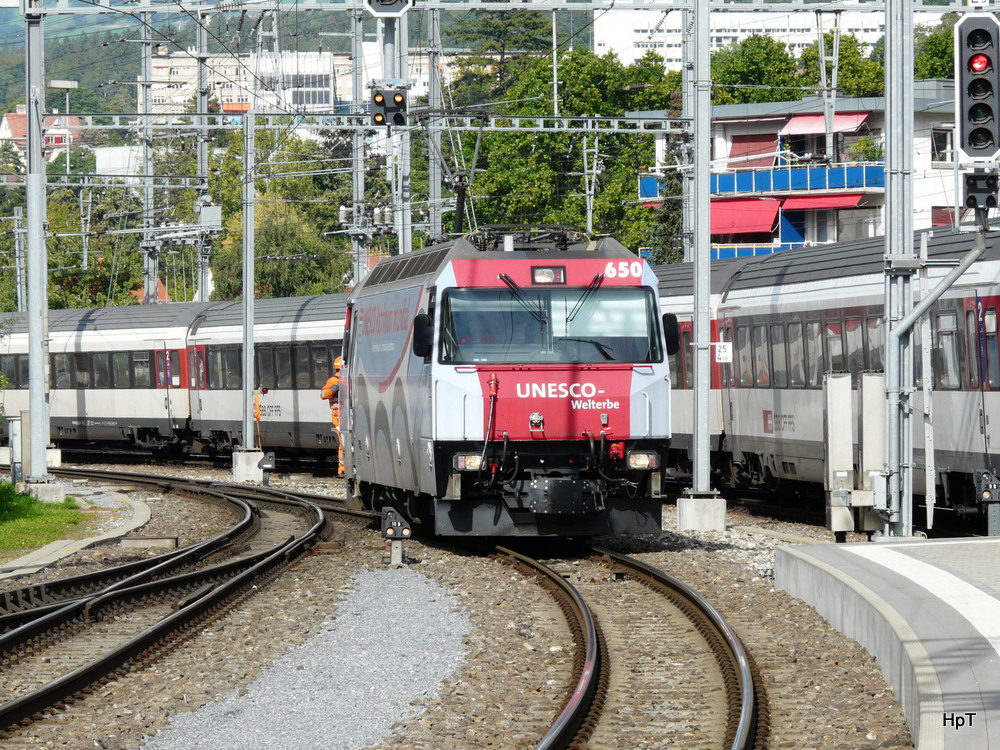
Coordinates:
972	347
300	356
688	358
834	347
876	346
796	356
283	366
232	368
946	372
992	353
727	367
121	373
8	369
161	370
779	362
174	368
744	355
142	372
814	354
60	371
855	346
322	365
79	363
265	367
102	372
762	366
214	361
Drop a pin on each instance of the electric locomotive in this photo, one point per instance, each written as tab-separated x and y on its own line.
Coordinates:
513	382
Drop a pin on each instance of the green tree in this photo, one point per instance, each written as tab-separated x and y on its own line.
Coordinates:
757	69
297	259
934	49
539	178
857	74
111	267
500	34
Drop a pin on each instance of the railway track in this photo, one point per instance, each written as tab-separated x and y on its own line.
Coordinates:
650	670
61	638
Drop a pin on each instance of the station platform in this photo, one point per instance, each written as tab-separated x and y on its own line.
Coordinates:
929	612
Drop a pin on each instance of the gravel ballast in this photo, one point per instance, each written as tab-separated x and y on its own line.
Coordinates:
490	670
396	636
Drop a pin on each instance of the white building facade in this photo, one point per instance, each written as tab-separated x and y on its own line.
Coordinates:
630	34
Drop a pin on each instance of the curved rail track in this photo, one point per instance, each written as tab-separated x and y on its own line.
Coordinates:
61	638
634	652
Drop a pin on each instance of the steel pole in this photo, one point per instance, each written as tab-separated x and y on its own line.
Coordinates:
37	266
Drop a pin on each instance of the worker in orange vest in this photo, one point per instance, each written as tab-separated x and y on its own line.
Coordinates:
331	392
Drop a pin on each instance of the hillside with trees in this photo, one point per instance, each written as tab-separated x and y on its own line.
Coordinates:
301	245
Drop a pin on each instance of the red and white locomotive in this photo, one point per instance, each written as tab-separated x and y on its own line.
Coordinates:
513	382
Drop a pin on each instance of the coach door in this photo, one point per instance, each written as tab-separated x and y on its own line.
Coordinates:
984	374
197	378
170	383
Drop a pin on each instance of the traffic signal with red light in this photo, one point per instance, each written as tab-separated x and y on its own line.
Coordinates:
977	85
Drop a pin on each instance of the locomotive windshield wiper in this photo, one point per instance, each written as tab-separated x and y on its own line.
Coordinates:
518	294
602	348
587	294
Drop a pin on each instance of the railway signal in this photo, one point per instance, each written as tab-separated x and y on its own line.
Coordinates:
981	189
388	8
977	72
389	107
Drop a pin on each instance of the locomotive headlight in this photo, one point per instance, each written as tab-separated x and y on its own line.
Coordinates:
467	461
548	275
643	460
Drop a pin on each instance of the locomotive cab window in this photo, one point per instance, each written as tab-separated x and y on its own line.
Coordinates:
549	324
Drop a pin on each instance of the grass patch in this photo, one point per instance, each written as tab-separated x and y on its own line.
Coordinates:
26	522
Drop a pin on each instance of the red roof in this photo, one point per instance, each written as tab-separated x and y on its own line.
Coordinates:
17	123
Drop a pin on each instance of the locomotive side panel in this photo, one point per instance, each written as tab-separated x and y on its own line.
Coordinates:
384	392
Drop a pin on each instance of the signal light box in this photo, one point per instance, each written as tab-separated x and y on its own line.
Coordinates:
389	107
977	85
388	8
